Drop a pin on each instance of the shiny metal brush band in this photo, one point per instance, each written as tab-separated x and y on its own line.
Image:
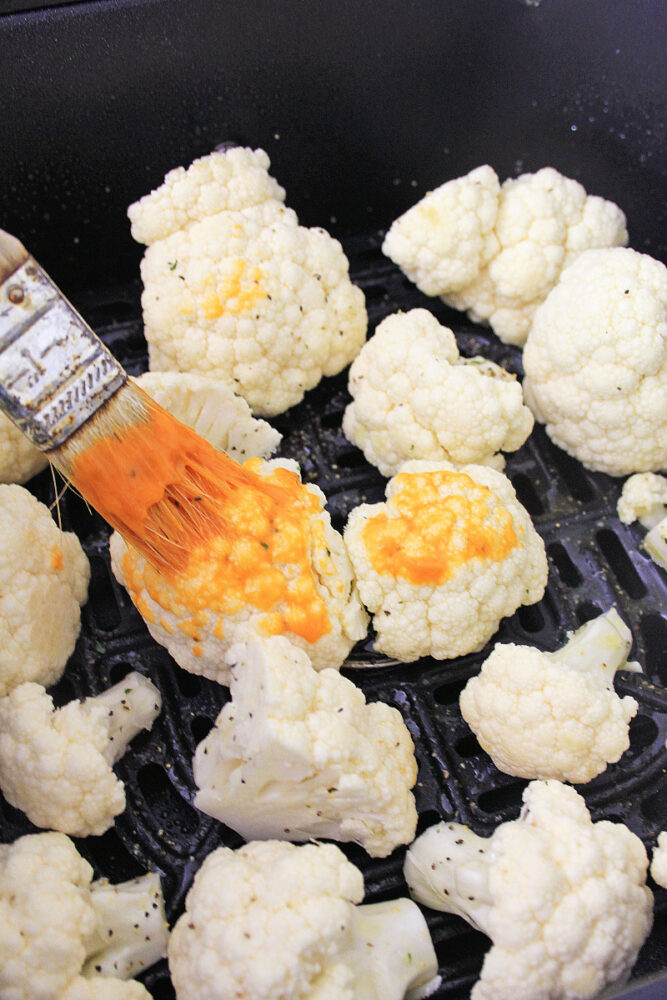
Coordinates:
55	373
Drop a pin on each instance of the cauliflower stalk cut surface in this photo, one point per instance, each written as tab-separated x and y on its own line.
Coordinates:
299	754
44	576
56	764
659	860
415	397
274	920
20	460
278	569
644	499
235	287
448	555
214	411
497	250
596	362
554	715
563	899
65	937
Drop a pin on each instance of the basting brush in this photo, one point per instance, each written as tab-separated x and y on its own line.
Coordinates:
151	477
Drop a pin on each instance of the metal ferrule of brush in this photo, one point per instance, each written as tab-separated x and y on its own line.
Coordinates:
55	373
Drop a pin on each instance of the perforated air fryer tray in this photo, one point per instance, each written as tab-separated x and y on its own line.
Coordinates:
594	562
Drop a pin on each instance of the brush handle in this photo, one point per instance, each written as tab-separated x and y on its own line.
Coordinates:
54	370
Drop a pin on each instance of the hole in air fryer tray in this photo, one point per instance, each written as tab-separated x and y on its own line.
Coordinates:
620	563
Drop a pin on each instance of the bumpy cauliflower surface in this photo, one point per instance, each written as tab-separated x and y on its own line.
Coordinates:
298	754
659	860
63	937
243	291
448	555
643	498
274	921
56	764
44	575
554	715
596	362
415	397
563	899
20	460
280	569
497	250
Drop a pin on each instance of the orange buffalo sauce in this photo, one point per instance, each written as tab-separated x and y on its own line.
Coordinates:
445	519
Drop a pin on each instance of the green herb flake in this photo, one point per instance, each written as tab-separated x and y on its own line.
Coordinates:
173	265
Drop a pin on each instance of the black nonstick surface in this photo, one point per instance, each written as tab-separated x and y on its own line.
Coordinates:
594	562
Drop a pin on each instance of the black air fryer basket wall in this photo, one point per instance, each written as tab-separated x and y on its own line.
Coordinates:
363	107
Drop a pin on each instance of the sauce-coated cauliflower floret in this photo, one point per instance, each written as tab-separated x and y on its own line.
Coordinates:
448	555
415	397
298	755
596	362
44	575
279	568
496	251
554	715
64	937
563	899
273	921
20	460
56	764
249	295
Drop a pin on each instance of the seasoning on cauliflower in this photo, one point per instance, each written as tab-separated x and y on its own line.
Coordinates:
20	460
214	411
596	362
448	555
65	937
644	498
56	764
298	754
273	921
563	899
496	251
44	576
235	287
554	715
659	860
280	569
414	397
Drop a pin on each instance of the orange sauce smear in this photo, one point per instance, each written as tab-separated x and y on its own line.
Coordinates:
445	519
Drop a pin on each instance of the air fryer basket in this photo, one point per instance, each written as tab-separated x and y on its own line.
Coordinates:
362	108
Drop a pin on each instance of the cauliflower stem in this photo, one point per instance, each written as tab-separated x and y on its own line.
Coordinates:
133	704
600	647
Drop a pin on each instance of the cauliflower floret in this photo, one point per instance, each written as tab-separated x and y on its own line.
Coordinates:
250	296
280	569
496	251
596	362
644	498
414	397
20	460
563	899
659	860
448	555
299	754
56	764
63	937
214	411
554	715
273	921
44	576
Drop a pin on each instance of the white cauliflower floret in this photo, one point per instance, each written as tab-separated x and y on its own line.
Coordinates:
56	764
659	860
496	251
414	397
64	937
563	899
596	362
214	411
44	576
644	498
20	460
222	181
252	297
280	569
554	715
273	921
298	754
448	555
